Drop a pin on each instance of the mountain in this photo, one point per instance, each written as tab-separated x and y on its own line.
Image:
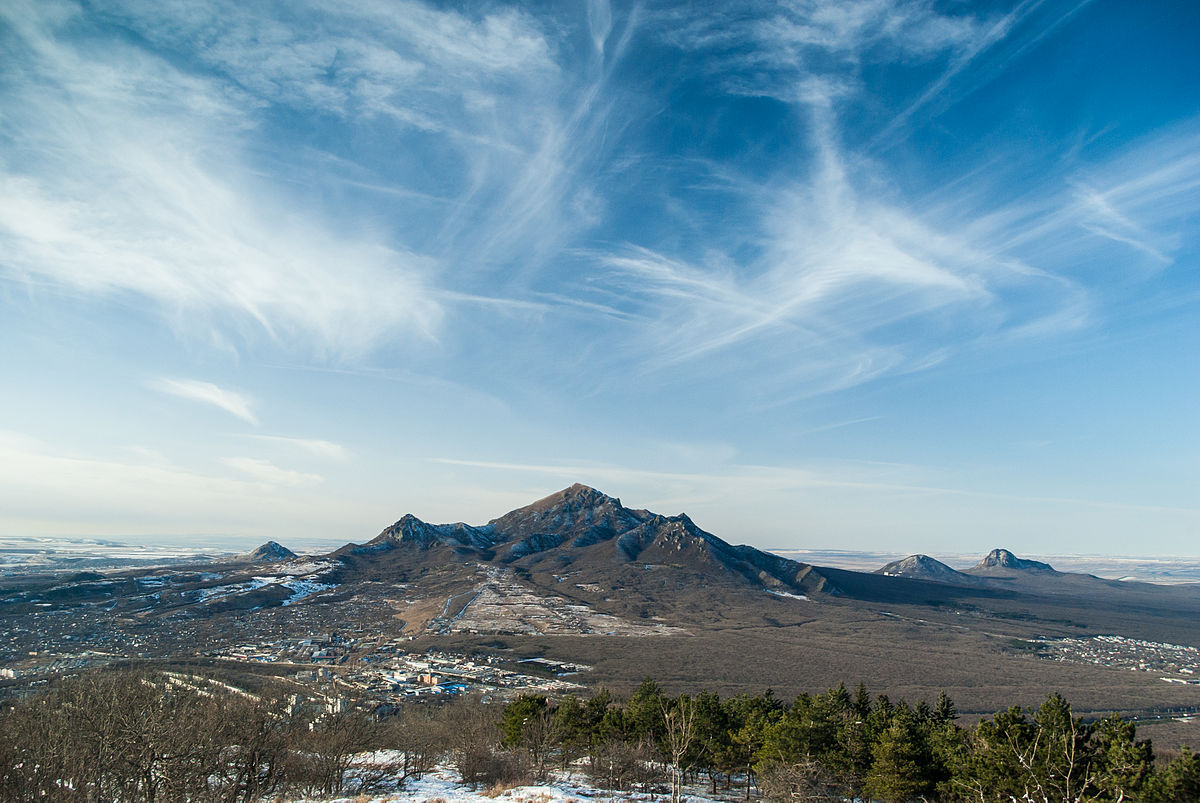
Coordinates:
582	531
410	530
923	567
1001	561
589	531
580	577
270	552
578	516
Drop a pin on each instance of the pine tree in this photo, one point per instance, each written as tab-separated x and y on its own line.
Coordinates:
900	759
1177	782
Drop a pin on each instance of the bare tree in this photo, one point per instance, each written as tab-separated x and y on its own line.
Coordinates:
679	721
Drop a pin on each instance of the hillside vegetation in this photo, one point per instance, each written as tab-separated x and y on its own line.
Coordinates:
157	736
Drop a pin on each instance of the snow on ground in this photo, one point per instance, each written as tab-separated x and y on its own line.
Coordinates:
310	567
303	588
786	594
217	592
443	785
300	587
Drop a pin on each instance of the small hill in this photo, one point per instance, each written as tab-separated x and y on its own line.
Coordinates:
270	552
1003	561
923	567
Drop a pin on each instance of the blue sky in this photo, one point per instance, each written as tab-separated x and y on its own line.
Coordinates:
870	274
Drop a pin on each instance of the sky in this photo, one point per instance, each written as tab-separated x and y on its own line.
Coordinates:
891	275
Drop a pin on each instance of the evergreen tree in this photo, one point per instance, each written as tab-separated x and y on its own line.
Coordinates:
1177	782
862	701
899	771
995	761
644	713
518	715
713	741
1121	764
571	728
944	710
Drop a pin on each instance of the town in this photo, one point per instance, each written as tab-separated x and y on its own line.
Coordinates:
1176	662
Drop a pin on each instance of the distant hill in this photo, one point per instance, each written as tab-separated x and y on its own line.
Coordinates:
923	567
270	552
1003	561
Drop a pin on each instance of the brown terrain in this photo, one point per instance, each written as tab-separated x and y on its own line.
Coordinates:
578	577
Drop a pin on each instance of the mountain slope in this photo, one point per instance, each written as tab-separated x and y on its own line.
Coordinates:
591	532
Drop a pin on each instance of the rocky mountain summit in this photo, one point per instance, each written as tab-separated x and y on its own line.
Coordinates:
1002	559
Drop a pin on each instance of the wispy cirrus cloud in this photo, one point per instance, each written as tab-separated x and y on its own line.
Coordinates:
770	48
268	473
180	181
842	286
1139	199
138	178
482	99
314	446
196	390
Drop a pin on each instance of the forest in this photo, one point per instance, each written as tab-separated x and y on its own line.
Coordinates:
162	736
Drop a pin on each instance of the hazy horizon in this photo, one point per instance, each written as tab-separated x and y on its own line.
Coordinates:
1167	569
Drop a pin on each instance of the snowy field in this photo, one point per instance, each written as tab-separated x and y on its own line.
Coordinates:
442	786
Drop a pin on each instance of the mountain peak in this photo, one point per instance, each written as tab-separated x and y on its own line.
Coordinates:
270	552
1003	559
578	493
579	510
411	530
922	567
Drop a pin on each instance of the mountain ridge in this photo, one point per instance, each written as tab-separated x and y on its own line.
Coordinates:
583	527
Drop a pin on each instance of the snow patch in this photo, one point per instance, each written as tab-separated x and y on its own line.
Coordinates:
786	594
442	784
303	588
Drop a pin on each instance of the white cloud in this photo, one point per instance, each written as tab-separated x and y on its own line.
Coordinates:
1142	198
268	473
134	180
207	393
769	48
320	448
842	287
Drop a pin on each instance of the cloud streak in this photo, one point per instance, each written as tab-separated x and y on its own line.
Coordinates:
133	183
196	390
314	446
268	473
842	288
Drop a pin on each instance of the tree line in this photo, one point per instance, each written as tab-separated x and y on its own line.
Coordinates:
156	736
840	746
